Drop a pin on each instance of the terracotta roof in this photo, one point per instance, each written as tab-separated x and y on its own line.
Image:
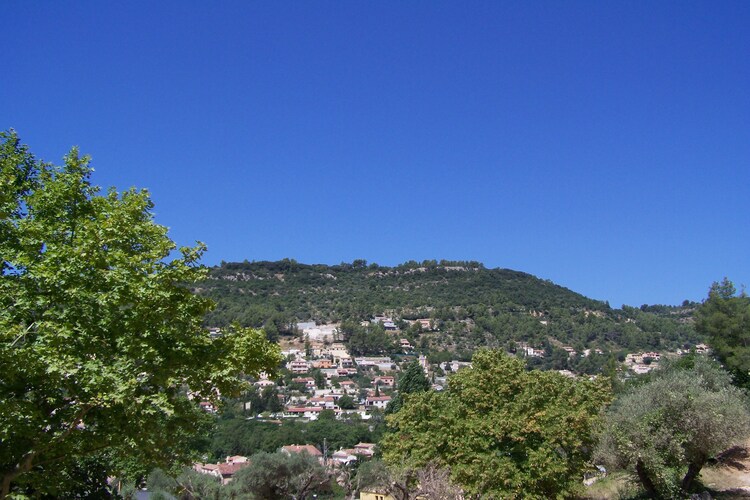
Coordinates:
228	470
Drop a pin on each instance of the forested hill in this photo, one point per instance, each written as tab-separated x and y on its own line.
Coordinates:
250	291
474	305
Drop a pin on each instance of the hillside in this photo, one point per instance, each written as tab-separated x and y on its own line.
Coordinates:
469	305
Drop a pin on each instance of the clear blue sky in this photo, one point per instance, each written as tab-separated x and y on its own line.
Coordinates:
602	145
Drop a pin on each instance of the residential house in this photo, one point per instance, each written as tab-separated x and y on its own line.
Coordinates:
225	471
303	448
377	402
309	382
324	363
346	362
374	493
344	457
208	406
348	387
327	402
263	383
385	381
365	449
425	323
309	412
298	366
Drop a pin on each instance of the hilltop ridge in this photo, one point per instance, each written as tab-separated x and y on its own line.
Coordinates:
468	304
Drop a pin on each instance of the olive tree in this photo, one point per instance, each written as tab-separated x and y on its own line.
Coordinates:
665	430
280	476
101	342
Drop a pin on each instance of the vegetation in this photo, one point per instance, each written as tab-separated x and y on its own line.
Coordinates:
99	339
239	436
724	318
664	431
281	476
401	483
104	355
469	307
412	380
503	431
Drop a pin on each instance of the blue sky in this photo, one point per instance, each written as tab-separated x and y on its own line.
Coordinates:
602	145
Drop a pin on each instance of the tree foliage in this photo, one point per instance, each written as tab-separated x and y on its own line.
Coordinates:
412	380
99	336
665	430
429	482
503	432
281	476
724	317
469	307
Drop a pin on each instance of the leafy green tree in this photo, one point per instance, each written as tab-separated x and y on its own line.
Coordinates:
503	431
193	485
430	481
271	401
375	474
412	380
160	480
320	379
346	402
664	431
281	476
724	317
99	334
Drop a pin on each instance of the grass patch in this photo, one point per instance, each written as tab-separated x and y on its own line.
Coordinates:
616	486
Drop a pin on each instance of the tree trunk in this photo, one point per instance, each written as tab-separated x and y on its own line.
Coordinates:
9	476
693	470
646	481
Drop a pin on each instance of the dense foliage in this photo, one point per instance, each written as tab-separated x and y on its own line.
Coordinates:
239	436
665	430
280	476
412	380
470	306
503	431
724	317
99	339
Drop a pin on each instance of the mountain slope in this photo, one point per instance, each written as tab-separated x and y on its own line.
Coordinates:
471	305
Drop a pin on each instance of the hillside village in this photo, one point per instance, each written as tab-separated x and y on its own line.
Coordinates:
320	375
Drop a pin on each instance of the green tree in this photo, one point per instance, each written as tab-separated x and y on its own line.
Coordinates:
412	380
271	401
280	476
664	431
346	402
99	334
320	379
724	317
430	481
193	485
503	431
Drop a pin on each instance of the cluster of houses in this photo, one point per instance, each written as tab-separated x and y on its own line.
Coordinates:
325	372
336	372
368	382
226	470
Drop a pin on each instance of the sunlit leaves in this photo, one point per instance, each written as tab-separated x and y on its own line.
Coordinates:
101	341
504	432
